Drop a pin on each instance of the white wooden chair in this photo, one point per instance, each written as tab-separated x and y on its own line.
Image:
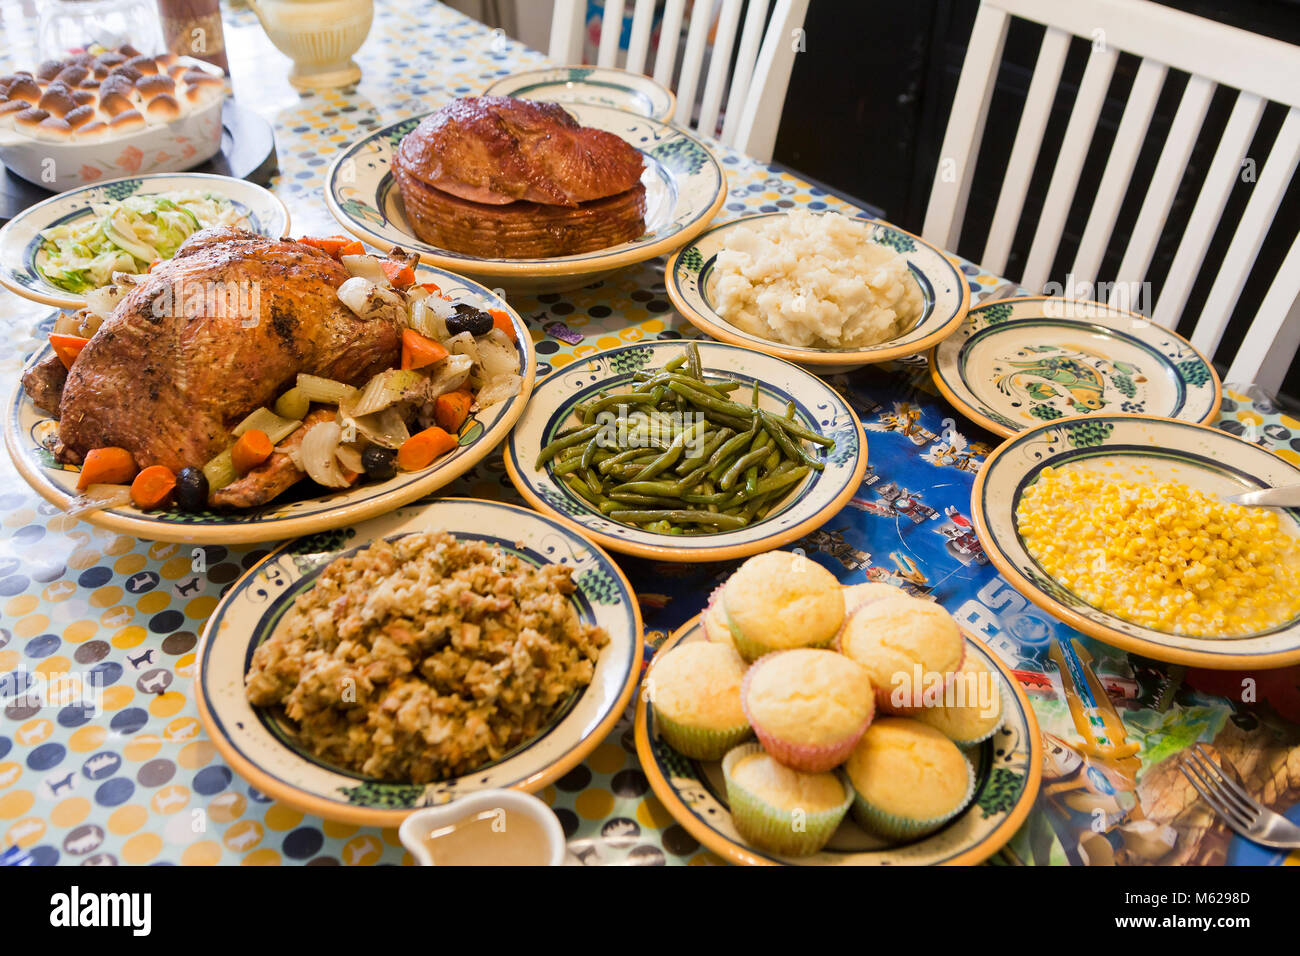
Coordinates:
1261	69
756	92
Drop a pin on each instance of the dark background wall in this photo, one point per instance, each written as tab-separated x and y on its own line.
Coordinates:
869	101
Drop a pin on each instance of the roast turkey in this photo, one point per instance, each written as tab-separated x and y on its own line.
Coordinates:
499	177
209	336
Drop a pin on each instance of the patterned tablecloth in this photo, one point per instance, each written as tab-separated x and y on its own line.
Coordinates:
141	784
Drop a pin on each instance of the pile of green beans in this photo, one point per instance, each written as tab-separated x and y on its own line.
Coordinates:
729	467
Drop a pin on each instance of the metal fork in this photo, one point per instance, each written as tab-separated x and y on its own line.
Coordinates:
1239	810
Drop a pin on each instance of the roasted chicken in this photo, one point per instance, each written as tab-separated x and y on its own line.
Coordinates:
206	338
507	178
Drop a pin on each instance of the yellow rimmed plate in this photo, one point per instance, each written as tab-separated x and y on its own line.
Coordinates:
260	745
26	428
689	278
21	255
1143	448
594	85
808	505
684	182
1016	363
1008	771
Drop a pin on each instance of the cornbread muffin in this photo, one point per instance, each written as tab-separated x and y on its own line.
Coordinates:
778	601
695	694
779	809
714	620
908	778
808	707
970	708
856	595
893	637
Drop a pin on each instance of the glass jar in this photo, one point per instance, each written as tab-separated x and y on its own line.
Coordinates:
70	26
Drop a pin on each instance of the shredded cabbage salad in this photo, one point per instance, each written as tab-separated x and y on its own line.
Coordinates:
127	236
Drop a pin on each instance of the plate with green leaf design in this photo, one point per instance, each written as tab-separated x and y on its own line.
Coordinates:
691	279
31	434
684	189
1008	773
260	743
813	493
1016	363
595	85
1137	448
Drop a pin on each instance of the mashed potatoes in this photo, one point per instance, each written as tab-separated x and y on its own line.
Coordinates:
814	281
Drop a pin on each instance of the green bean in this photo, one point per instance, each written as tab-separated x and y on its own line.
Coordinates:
691	462
797	430
784	480
643	501
671	456
559	444
693	362
788	445
725	522
621	398
733	473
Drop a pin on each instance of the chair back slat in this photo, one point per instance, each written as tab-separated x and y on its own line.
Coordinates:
1223	174
1117	175
568	23
970	108
638	45
724	40
1265	356
746	59
1025	148
1265	196
761	114
666	57
697	36
1159	199
607	52
1065	174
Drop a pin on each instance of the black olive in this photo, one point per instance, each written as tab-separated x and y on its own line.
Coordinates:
192	489
469	319
379	462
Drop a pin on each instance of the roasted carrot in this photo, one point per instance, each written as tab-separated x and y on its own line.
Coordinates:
353	248
431	288
399	274
330	244
251	449
106	466
419	351
153	487
422	448
501	320
452	408
67	347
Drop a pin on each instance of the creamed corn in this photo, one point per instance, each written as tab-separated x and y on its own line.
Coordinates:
1162	554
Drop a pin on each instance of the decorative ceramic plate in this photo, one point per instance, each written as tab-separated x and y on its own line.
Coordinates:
299	511
810	504
1140	448
260	744
685	187
20	239
689	276
590	85
1020	362
1008	770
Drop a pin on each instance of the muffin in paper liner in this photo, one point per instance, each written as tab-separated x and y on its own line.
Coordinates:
696	742
883	694
771	828
752	650
896	828
968	743
807	758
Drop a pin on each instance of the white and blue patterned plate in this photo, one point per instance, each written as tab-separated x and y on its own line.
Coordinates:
26	428
260	745
1016	363
685	188
1008	772
1142	448
809	505
689	277
591	85
20	239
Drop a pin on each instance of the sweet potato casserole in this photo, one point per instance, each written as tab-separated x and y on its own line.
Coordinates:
425	657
